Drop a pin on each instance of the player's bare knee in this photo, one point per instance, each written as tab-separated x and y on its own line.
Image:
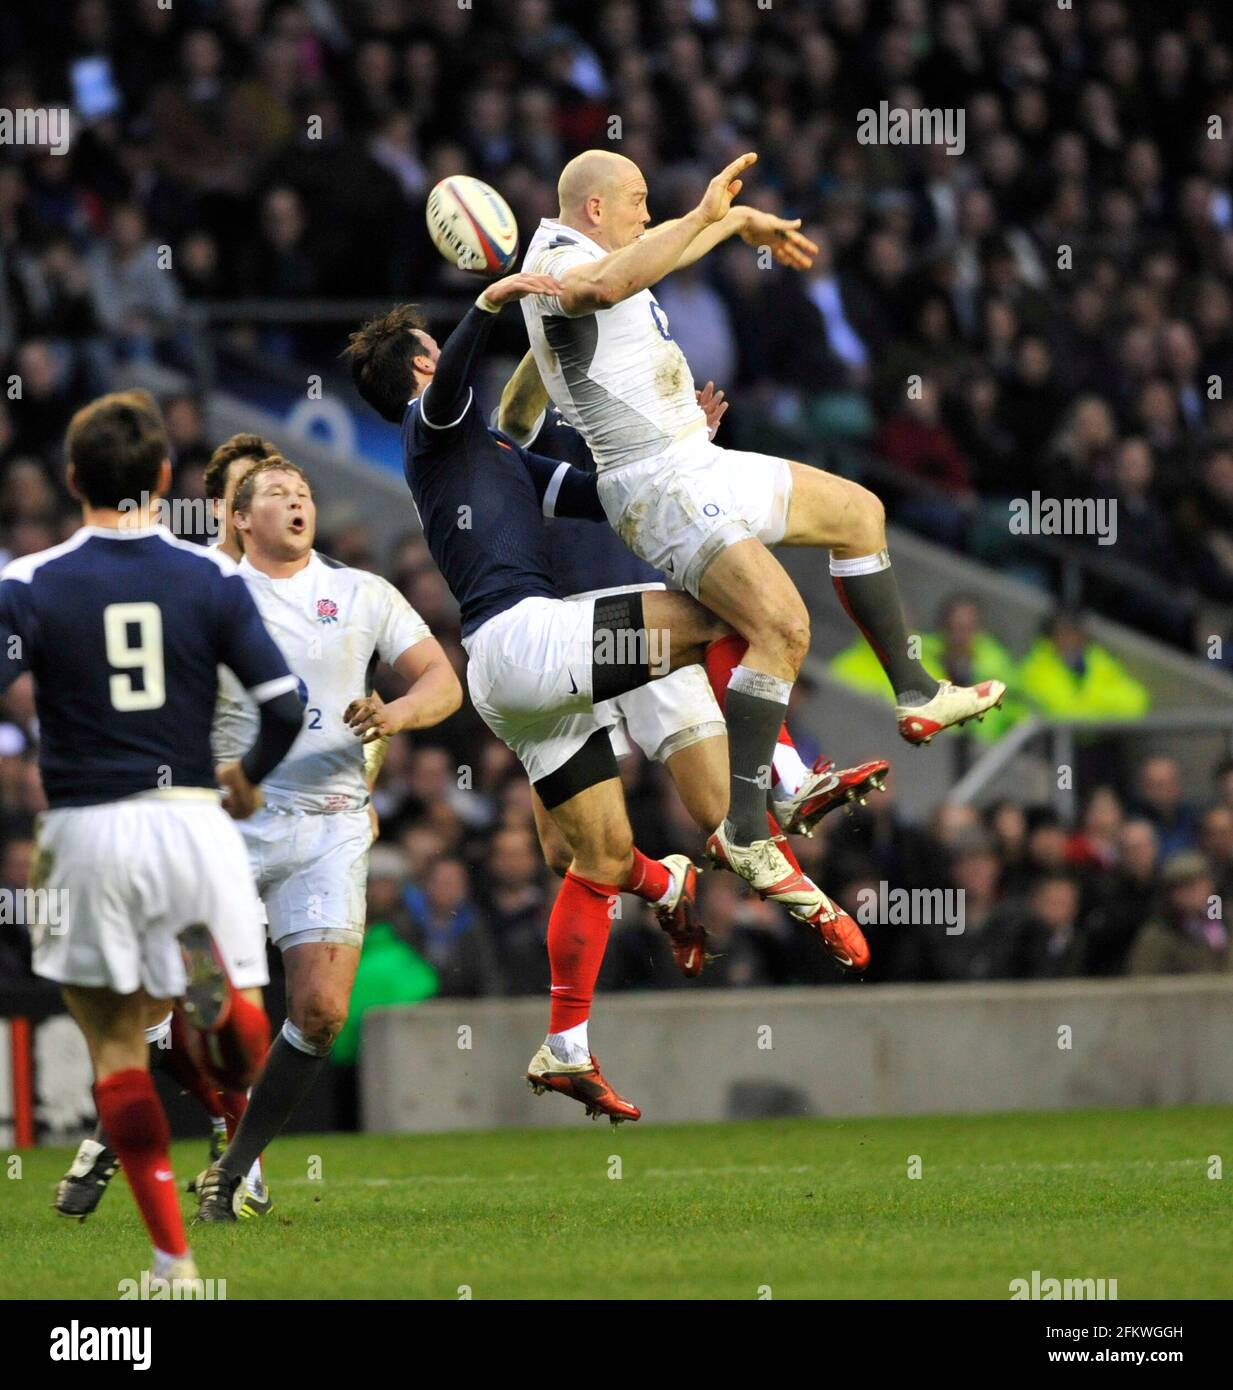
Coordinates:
787	635
609	858
321	1019
867	531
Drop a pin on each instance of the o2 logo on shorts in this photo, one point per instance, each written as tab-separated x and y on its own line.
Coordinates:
711	509
661	321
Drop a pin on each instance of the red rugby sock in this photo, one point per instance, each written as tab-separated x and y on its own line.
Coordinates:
137	1130
235	1103
648	878
723	656
577	938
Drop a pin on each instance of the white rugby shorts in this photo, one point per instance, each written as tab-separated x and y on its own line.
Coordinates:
130	876
529	674
311	871
679	509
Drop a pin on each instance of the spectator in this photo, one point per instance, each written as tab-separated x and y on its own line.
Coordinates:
975	871
136	295
1095	845
919	444
1162	801
1216	846
518	907
1068	675
389	971
448	930
1048	944
1188	937
1128	900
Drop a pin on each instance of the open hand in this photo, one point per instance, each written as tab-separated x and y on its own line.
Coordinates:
519	286
788	245
723	188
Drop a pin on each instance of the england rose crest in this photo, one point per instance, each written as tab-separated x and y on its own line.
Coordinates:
327	610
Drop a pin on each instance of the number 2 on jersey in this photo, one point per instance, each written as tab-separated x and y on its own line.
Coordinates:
145	655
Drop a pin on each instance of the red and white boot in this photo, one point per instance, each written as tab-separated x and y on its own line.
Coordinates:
951	706
839	934
764	867
825	789
679	917
581	1081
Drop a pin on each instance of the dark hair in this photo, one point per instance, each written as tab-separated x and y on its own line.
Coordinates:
381	361
275	463
239	446
116	446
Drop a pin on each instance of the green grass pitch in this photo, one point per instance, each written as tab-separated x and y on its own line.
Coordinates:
785	1209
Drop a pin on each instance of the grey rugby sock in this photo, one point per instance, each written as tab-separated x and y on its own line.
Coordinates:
869	592
754	708
289	1074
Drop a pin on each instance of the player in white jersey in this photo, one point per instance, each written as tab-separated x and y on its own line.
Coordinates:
703	514
227	467
232	716
677	720
308	845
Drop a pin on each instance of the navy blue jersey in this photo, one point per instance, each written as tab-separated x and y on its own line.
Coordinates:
124	632
482	499
480	512
581	556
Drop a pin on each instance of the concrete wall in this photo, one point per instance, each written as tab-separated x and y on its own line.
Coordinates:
879	1050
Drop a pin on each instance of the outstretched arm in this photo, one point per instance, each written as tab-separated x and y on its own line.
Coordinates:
788	245
447	395
603	283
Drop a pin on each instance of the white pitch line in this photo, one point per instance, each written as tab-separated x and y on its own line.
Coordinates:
732	1168
745	1169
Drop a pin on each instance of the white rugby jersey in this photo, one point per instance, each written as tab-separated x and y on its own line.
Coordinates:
616	375
332	623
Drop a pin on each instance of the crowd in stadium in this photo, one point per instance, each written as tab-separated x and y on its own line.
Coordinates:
1062	291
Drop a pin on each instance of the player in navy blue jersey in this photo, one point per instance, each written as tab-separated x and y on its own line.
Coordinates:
538	663
678	721
122	628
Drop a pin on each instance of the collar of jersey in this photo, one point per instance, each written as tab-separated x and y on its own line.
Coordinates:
127	533
554	225
250	571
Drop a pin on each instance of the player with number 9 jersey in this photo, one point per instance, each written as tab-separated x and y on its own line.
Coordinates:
122	628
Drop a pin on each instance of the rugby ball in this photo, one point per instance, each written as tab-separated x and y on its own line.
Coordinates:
471	225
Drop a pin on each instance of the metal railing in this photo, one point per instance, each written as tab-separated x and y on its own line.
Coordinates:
1078	565
1061	735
